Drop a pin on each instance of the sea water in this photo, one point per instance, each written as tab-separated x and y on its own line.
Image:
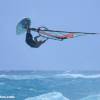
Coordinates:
49	85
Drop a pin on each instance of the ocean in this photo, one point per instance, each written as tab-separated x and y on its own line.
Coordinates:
49	85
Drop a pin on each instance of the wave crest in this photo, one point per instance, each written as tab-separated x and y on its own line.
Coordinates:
49	96
33	76
92	97
21	77
67	75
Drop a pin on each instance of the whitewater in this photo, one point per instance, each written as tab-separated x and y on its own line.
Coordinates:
50	85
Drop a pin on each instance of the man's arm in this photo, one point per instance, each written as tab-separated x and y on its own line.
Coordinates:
42	41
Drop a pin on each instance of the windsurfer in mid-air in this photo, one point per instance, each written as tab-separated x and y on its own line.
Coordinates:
44	33
33	42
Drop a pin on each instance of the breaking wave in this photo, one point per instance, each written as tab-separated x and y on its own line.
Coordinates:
67	75
49	96
21	77
92	97
33	76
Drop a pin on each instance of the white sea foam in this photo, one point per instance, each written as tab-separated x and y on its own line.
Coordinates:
21	77
92	97
63	75
68	75
49	96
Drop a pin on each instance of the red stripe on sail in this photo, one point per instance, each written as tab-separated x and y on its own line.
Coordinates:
66	36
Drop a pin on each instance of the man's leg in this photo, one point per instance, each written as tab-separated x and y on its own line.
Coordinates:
45	40
36	38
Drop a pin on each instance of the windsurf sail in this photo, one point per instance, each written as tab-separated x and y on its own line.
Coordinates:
25	24
59	35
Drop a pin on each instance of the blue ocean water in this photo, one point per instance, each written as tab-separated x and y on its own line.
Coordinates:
50	85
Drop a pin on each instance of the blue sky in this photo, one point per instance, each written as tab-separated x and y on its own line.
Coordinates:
81	53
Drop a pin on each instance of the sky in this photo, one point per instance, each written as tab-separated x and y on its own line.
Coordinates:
82	53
